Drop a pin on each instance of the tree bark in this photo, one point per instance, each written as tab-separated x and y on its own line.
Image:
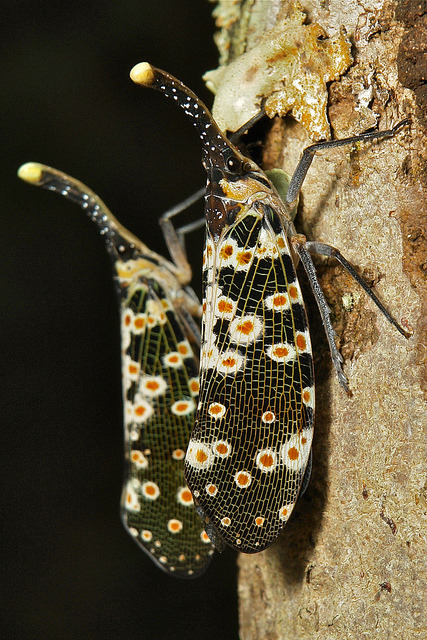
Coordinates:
351	561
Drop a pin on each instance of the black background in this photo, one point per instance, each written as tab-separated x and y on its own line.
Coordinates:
69	569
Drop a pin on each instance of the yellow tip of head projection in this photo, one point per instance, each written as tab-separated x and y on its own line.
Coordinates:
30	172
142	73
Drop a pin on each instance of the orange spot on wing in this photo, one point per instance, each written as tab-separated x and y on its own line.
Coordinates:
224	306
186	496
139	323
242	479
266	460
226	251
281	352
229	362
149	490
293	453
216	409
246	327
293	292
152	385
221	448
244	257
140	410
201	456
301	342
279	300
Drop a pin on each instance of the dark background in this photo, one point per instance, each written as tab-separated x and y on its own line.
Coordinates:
69	569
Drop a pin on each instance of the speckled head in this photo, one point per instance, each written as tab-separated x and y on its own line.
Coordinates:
121	244
223	162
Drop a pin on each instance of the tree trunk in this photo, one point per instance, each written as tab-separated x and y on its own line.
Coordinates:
351	561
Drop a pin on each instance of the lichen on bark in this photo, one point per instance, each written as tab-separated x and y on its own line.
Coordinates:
286	70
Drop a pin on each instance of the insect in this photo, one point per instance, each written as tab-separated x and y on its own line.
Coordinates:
160	382
250	447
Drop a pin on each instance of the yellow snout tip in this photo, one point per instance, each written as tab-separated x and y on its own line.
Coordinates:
142	73
30	172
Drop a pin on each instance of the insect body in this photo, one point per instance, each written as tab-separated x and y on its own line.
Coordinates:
160	387
250	446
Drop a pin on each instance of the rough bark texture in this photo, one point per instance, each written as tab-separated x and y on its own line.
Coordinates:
351	561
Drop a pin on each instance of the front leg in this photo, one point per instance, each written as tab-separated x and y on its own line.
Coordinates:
304	250
299	244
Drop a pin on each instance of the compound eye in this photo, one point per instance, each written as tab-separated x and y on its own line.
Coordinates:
232	164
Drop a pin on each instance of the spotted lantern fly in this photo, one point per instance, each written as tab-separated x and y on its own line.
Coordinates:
160	382
249	452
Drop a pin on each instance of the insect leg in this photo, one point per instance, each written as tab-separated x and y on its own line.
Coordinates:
186	314
299	244
188	305
308	155
326	250
307	474
234	137
212	532
174	238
